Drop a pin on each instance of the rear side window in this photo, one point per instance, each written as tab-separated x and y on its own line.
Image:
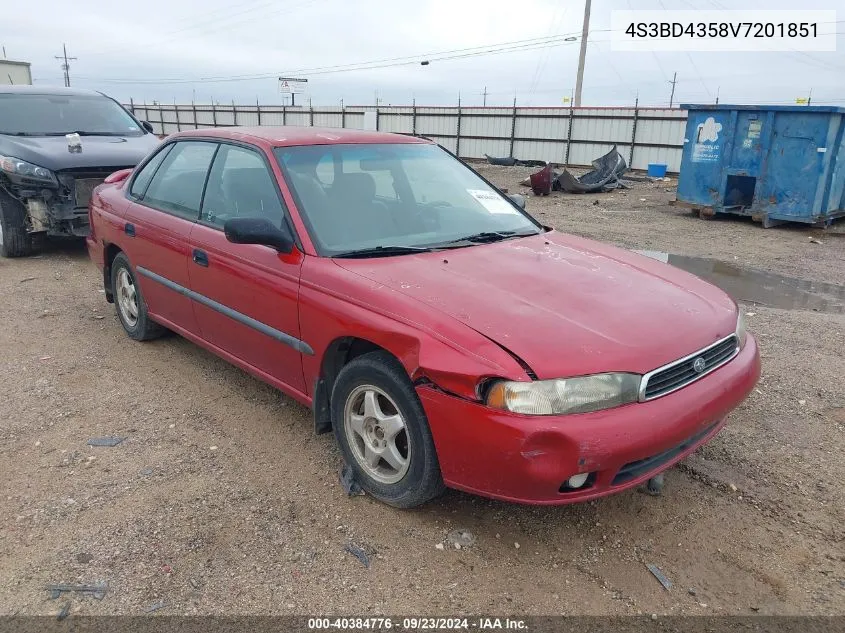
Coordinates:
240	186
139	185
177	185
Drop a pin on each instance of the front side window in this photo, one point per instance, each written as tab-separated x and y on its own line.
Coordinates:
178	184
395	195
27	114
240	186
142	180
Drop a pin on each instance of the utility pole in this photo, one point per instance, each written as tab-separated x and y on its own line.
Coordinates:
810	97
718	89
673	82
585	32
484	94
65	65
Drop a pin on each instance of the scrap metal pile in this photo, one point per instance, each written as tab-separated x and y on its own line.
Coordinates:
606	175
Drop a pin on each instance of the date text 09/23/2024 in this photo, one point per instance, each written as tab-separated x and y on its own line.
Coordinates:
417	624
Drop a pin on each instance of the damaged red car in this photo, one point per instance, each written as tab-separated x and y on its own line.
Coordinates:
446	337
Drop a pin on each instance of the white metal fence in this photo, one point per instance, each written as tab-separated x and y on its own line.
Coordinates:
566	136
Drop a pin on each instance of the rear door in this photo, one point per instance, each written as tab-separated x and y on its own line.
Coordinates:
246	295
166	199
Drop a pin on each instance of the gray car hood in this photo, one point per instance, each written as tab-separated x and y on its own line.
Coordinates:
97	151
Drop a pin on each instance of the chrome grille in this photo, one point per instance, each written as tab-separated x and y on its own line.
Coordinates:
682	372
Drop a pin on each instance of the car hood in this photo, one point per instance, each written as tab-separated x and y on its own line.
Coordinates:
564	305
97	151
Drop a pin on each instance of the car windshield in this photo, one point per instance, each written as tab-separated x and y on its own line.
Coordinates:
57	115
392	199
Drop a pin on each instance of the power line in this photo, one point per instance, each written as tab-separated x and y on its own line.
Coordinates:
221	22
554	25
493	49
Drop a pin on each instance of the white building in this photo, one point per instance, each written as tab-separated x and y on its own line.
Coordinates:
17	73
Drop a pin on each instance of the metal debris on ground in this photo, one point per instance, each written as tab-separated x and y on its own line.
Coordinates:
105	441
541	181
63	612
155	606
98	590
510	161
347	480
606	174
25	279
661	577
358	553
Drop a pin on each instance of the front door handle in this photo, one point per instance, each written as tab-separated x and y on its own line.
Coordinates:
129	229
200	257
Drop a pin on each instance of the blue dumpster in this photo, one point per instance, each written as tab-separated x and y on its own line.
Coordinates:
774	163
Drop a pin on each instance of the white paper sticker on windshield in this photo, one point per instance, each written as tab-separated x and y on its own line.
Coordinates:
492	201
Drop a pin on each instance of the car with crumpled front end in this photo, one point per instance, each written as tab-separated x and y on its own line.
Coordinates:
444	335
56	145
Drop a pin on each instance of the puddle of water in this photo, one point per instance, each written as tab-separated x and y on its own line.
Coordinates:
757	286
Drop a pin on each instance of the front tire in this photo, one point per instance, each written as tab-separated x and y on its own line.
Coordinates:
383	433
130	304
14	239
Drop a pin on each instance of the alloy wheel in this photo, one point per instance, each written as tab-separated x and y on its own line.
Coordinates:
377	435
127	297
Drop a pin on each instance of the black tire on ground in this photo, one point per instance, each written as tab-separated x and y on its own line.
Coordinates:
144	328
14	241
422	481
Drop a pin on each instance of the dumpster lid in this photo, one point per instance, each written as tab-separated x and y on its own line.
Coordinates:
764	108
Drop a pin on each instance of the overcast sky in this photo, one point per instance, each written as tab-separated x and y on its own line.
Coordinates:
132	49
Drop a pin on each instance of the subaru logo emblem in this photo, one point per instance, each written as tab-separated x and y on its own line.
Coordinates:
699	365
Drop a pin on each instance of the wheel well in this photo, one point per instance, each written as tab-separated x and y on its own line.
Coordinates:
338	354
108	257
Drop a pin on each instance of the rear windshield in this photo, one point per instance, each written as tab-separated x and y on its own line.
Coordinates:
57	115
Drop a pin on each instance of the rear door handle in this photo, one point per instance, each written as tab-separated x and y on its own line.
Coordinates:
129	229
200	257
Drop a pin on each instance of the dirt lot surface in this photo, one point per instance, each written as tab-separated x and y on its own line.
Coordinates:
220	499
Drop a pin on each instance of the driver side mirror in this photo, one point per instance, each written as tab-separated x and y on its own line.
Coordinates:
518	199
258	231
148	126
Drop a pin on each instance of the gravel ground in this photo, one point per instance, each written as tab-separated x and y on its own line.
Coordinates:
220	499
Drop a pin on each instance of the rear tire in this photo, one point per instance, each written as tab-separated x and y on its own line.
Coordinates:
14	239
383	433
129	302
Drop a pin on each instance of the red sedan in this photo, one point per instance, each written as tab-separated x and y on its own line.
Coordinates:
443	334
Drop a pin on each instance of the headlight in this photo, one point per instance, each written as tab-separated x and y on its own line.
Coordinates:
18	167
569	395
741	333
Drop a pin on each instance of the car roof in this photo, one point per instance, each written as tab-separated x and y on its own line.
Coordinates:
49	90
289	135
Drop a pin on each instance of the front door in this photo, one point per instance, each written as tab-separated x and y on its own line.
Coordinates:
166	198
246	295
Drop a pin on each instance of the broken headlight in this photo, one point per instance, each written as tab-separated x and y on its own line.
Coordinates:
567	395
22	169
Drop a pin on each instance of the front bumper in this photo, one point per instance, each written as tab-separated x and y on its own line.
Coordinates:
527	459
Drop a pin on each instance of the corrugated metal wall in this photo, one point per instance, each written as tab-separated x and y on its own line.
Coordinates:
573	136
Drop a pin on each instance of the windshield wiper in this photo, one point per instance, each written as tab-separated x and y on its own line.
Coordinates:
384	251
485	237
